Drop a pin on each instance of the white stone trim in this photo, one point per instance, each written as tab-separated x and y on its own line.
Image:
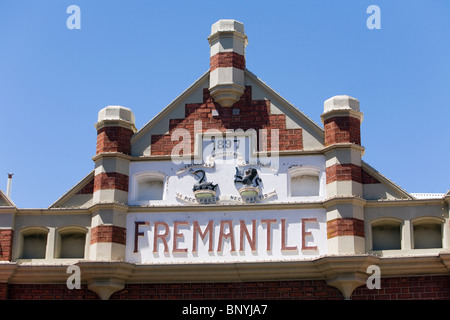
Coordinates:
346	245
110	195
344	188
107	251
119	165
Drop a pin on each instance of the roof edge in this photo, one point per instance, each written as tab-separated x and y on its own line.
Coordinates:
289	105
77	187
168	108
7	199
376	174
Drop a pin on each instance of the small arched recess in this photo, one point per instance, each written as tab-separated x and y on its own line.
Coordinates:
386	234
427	232
33	242
148	186
71	242
304	181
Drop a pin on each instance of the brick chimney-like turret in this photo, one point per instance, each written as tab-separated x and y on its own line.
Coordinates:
226	78
115	126
345	209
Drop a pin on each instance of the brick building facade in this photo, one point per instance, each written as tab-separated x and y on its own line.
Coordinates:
230	192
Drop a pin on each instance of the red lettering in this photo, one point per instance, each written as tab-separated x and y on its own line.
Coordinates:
162	237
307	233
177	236
268	222
223	235
283	237
251	240
206	233
137	233
197	230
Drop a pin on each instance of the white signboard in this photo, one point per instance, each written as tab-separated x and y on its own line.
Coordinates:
236	236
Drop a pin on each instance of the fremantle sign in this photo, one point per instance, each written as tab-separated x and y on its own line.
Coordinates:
218	236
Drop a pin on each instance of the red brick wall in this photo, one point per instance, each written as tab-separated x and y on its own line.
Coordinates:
4	291
6	243
227	59
368	179
114	139
345	227
302	289
111	180
254	114
397	288
342	130
286	290
343	172
407	288
108	233
49	292
88	188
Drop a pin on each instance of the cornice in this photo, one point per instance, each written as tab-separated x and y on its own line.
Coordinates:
7	270
344	200
52	211
112	155
321	204
415	265
108	206
326	267
447	196
8	209
346	146
342	113
445	258
403	202
228	207
227	33
115	122
287	153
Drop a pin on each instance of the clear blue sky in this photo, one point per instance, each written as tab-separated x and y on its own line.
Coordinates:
143	54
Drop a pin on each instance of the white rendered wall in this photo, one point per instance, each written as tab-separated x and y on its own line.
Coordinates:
290	223
275	179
